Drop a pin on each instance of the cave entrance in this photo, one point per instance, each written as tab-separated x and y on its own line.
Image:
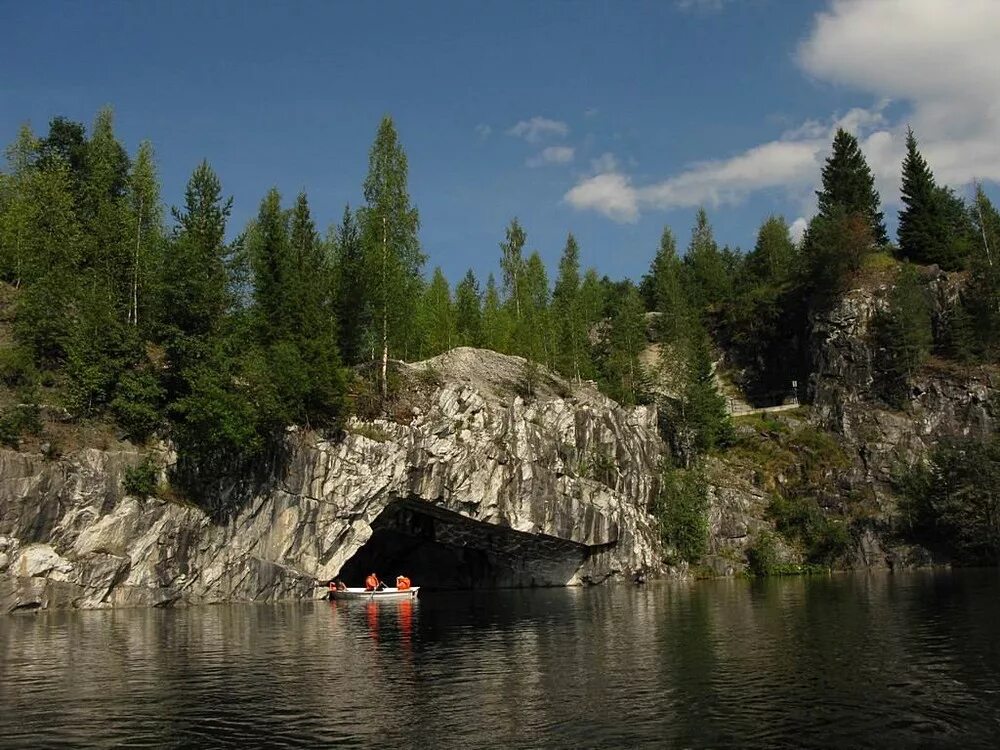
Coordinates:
441	549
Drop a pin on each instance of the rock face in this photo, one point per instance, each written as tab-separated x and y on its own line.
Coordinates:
550	488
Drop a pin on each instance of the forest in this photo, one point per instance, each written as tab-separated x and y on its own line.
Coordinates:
117	310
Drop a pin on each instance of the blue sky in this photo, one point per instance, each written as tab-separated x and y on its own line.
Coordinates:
631	113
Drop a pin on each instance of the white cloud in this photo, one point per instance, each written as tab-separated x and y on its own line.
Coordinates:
606	162
609	194
483	130
552	155
537	128
937	58
701	6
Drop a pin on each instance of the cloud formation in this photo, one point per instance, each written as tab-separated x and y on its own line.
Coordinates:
537	128
938	58
483	130
552	155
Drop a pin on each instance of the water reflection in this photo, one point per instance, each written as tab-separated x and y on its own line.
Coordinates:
838	661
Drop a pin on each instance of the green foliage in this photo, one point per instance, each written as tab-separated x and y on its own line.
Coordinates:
468	313
512	267
904	335
369	431
982	293
762	555
707	272
142	479
439	315
351	307
703	418
824	540
138	404
622	373
952	502
669	298
17	368
682	512
835	246
849	188
572	345
496	320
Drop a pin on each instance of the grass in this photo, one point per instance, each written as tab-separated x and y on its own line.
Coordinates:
369	431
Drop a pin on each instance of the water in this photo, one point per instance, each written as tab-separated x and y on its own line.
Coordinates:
849	661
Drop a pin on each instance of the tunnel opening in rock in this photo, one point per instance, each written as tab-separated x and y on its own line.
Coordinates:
440	549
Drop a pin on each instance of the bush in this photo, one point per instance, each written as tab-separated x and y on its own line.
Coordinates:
824	541
141	480
18	421
136	405
17	368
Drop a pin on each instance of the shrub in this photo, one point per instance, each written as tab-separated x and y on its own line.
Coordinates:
17	367
136	405
682	512
18	421
762	555
141	480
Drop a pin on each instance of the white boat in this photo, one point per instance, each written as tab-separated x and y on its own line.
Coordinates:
386	593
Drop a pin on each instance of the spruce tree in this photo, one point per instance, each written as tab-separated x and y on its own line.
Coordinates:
351	292
708	280
703	407
592	301
269	261
623	375
533	331
389	227
571	345
848	186
440	315
924	235
773	257
669	298
468	315
496	321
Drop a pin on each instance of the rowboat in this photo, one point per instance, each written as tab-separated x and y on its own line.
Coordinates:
386	593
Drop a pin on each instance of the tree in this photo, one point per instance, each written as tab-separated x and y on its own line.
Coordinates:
15	211
709	282
468	315
269	261
703	414
146	223
440	314
904	334
682	512
350	289
592	302
774	254
389	227
572	348
533	330
667	285
848	186
833	248
512	266
623	375
926	225
496	322
982	293
194	275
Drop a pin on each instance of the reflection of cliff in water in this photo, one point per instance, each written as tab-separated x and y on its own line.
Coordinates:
439	549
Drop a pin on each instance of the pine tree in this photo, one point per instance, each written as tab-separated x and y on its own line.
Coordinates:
833	248
773	257
572	349
440	314
703	407
669	297
848	186
709	283
389	227
468	315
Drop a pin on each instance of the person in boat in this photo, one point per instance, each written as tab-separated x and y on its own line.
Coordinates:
336	585
402	583
372	583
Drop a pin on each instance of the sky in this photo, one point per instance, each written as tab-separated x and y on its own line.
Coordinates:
608	119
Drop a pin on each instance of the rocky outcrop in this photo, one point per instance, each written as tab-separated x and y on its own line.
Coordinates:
549	487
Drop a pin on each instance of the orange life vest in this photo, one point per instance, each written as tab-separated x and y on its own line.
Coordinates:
371	583
402	583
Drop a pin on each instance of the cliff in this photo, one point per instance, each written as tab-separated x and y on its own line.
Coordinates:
481	479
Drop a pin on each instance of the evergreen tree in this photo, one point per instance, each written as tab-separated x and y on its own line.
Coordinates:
709	282
351	292
592	302
533	331
195	280
667	284
773	257
440	314
703	408
904	334
496	321
389	227
925	228
572	348
468	315
269	261
848	186
983	289
833	248
624	378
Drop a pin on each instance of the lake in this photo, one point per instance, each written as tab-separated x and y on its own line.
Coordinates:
877	660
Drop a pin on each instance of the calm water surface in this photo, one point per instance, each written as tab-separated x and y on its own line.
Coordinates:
908	660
